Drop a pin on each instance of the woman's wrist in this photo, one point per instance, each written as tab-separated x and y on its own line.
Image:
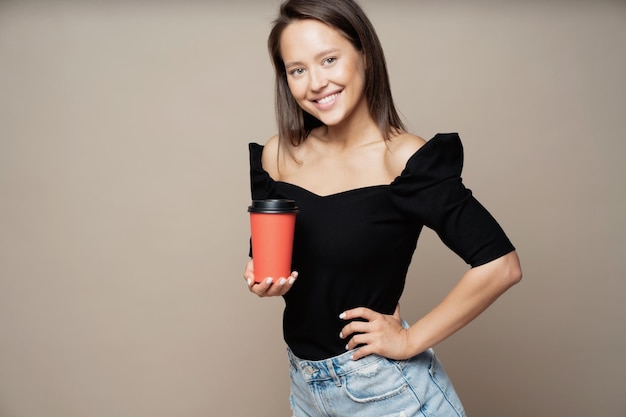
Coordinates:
416	343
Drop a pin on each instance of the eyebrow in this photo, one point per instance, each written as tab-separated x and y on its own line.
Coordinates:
317	57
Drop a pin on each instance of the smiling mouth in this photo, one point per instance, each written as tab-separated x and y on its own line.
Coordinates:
327	99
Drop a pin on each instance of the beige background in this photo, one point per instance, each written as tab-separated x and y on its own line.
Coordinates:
123	184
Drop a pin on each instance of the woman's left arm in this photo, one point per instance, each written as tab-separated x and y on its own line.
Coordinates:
384	335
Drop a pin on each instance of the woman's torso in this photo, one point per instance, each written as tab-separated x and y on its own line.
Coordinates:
351	247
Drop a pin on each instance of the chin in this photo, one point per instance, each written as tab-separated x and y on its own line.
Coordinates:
331	121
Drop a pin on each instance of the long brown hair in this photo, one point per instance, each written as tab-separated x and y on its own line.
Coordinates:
346	16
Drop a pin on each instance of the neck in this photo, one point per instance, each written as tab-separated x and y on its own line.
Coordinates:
357	130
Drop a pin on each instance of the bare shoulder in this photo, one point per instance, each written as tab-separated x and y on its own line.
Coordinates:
269	160
401	147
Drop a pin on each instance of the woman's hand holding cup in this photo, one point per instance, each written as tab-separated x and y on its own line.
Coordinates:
268	287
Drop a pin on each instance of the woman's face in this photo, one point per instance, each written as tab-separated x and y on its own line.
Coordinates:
325	73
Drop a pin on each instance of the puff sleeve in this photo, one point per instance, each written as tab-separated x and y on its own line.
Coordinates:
261	184
430	192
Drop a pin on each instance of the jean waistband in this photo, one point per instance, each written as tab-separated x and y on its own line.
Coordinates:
332	368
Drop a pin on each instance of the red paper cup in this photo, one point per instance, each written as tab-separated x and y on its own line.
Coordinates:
272	224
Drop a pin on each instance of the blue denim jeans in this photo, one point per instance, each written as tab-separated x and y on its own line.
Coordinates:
373	386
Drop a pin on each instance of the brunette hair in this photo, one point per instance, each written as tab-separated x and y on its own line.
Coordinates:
346	16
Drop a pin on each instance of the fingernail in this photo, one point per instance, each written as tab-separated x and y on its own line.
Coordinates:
291	280
249	282
341	335
295	274
342	316
282	281
347	348
269	280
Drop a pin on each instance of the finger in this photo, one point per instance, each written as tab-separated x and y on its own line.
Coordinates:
278	287
359	312
289	283
362	352
282	285
358	340
354	327
261	288
283	290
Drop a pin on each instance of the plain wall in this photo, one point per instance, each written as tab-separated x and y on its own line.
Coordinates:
124	186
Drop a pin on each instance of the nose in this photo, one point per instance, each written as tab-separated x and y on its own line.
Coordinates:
317	80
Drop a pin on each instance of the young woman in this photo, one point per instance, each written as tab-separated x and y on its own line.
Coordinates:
365	187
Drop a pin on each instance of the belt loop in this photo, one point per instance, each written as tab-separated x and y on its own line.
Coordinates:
336	378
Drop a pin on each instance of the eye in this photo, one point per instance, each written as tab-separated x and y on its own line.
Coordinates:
330	60
296	71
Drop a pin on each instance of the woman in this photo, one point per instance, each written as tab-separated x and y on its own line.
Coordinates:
365	187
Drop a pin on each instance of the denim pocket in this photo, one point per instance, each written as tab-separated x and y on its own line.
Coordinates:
375	381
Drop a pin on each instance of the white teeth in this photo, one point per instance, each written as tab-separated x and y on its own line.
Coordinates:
327	99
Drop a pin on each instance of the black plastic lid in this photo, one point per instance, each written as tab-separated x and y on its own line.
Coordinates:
273	206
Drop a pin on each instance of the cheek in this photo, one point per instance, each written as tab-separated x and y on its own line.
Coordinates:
296	87
355	76
352	72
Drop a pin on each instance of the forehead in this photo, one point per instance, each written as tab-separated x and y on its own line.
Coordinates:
303	38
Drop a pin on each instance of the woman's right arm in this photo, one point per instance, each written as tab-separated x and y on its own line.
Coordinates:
266	287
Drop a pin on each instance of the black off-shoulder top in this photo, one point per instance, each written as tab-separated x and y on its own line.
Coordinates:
353	248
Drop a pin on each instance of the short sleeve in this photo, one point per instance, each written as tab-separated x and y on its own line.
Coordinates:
261	184
430	192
